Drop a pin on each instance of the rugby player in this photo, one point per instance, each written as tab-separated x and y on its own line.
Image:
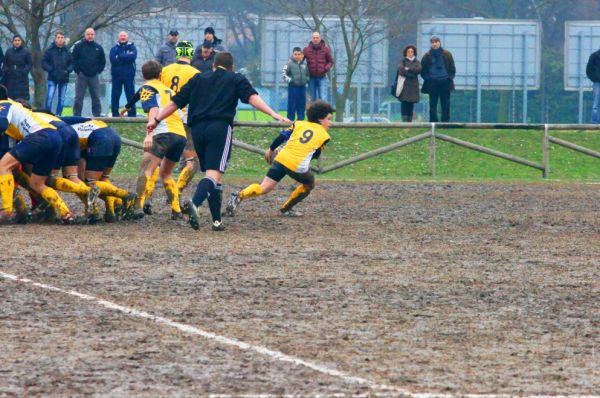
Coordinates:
163	145
100	146
303	142
212	99
175	76
39	144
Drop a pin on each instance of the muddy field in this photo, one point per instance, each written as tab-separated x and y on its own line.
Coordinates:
430	288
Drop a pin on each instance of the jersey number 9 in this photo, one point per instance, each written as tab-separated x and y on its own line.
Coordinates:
306	136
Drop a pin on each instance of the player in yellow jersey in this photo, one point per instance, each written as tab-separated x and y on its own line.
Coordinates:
100	147
175	76
39	144
305	141
162	146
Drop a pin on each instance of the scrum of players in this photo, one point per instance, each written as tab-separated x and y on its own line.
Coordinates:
43	156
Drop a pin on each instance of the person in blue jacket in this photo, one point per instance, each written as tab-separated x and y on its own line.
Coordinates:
122	58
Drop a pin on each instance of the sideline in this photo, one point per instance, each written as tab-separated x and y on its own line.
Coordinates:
387	390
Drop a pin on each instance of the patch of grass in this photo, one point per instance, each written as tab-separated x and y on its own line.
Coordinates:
412	162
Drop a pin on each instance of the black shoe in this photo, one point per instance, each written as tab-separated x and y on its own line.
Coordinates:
110	217
137	214
218	226
185	208
128	206
148	208
193	215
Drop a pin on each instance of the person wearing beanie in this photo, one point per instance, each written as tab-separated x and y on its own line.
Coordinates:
217	44
438	71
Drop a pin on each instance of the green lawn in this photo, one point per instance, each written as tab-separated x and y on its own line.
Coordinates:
412	162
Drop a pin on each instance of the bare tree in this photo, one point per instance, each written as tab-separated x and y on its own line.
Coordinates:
37	20
359	22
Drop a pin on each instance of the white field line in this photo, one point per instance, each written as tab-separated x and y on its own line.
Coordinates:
276	355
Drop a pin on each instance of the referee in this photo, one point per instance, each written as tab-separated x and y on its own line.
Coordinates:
212	99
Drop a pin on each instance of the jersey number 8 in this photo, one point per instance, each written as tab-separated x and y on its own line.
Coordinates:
306	136
175	83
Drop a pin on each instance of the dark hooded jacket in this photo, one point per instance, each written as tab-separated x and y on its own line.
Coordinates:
15	72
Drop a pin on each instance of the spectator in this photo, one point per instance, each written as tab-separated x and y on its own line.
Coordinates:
166	53
88	62
592	71
409	68
295	74
204	57
122	70
438	71
319	61
58	62
209	34
16	68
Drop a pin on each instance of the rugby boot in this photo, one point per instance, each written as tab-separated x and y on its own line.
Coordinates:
232	204
193	216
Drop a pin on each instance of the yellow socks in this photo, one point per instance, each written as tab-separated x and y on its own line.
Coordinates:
185	177
55	201
145	187
172	194
108	189
296	197
251	191
7	190
66	185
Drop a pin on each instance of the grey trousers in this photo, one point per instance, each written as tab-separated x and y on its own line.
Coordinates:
81	84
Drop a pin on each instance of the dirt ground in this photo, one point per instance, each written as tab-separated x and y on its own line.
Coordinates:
433	288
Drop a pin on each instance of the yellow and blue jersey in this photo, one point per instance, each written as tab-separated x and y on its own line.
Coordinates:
303	140
84	127
175	76
21	121
154	94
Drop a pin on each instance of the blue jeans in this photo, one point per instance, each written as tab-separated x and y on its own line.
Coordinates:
117	89
53	88
316	87
596	104
296	102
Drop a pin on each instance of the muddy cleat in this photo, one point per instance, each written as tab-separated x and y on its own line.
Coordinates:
39	211
232	204
7	218
110	217
128	206
218	226
193	215
137	214
70	219
148	208
185	208
92	198
290	213
176	215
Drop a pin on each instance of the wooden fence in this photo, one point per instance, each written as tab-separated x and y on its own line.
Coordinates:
432	135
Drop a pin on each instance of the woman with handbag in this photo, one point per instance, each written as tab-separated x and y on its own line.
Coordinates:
407	82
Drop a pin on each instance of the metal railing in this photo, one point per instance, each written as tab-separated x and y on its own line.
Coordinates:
433	135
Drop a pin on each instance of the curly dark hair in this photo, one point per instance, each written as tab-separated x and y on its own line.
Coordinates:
318	110
409	47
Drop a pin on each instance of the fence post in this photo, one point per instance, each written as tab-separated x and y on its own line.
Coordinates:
432	151
546	151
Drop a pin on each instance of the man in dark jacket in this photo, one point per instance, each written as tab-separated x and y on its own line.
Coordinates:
438	71
166	53
16	68
122	59
592	71
295	74
88	62
217	44
319	61
57	61
204	57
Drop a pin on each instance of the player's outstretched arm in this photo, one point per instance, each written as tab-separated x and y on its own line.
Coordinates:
162	115
262	106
